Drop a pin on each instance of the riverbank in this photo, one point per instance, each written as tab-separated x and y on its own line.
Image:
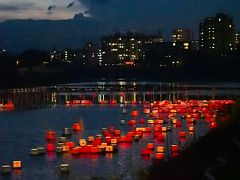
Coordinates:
214	156
21	79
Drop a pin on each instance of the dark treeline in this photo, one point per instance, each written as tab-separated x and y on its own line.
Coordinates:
194	66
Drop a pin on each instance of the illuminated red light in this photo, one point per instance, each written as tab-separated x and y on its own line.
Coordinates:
50	147
50	135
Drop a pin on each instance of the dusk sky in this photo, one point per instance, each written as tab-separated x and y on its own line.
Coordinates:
120	15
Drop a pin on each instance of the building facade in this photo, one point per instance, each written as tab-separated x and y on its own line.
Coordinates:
217	33
125	49
237	38
181	35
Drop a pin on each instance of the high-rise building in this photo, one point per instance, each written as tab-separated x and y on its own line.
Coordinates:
121	49
182	35
217	33
238	38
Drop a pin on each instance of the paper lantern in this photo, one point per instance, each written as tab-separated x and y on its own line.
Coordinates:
17	165
82	142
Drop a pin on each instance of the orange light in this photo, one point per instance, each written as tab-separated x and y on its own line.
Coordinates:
90	138
82	142
109	149
17	164
104	144
113	141
191	128
160	149
65	148
150	121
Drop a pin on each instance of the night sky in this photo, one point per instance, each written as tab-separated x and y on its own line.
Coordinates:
120	15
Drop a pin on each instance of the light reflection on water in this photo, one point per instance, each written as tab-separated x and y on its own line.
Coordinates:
22	130
25	127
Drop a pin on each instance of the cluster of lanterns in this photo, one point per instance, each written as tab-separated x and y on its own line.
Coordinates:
163	116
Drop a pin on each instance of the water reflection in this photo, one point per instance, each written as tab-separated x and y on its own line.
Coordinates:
117	92
131	96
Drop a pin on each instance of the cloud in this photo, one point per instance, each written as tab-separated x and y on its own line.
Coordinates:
16	6
50	8
6	7
71	4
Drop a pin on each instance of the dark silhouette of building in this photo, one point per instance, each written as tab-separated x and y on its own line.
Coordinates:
194	45
90	54
164	54
217	33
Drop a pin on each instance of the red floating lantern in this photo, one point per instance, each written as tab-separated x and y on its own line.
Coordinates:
94	150
108	139
145	152
146	111
182	134
141	121
50	135
174	148
117	132
161	137
213	125
50	147
132	122
70	144
134	113
148	129
113	101
75	151
76	127
159	156
150	146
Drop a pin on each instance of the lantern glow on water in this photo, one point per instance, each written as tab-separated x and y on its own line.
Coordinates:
150	136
